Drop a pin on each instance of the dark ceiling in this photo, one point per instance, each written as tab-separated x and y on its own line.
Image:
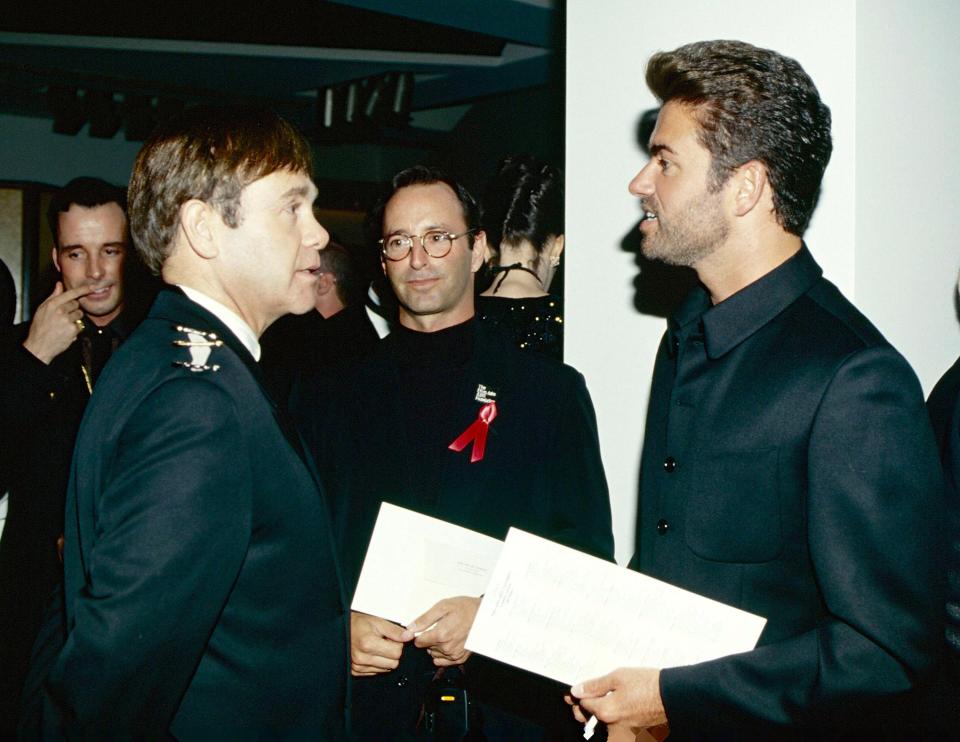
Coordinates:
138	57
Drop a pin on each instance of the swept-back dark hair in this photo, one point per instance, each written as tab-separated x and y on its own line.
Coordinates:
86	192
426	175
524	201
752	104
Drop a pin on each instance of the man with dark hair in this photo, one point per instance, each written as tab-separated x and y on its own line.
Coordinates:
202	593
50	366
338	331
788	466
394	427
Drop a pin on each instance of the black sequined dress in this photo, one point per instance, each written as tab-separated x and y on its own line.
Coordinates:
534	323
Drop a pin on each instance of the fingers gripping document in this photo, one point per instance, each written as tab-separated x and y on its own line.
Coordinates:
569	616
546	608
413	561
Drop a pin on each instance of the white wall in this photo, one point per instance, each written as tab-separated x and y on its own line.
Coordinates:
908	177
866	242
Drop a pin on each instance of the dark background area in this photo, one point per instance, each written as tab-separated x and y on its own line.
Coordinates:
377	85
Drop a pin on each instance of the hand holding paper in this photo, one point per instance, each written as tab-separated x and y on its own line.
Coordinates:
375	644
567	616
415	563
445	627
630	695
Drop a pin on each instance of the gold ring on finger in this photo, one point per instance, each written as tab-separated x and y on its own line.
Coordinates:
79	323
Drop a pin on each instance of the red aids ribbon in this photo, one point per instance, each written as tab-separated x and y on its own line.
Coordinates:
477	432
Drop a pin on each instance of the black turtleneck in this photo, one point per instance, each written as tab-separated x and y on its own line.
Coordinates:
431	368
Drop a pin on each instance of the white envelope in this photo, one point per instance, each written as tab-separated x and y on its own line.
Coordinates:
414	560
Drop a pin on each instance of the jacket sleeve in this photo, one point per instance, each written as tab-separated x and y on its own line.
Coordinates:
952	464
579	484
26	380
172	516
27	387
874	506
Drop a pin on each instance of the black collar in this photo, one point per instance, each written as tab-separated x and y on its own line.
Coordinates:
119	326
736	318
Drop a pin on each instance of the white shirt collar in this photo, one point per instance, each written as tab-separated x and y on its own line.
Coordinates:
231	319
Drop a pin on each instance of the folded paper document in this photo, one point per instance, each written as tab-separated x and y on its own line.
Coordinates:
414	560
569	616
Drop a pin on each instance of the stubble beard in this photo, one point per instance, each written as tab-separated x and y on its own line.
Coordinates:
691	235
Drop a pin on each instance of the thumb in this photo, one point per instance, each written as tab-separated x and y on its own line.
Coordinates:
593	688
428	619
57	289
392	631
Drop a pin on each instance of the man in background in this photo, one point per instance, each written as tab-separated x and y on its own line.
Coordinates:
50	366
398	427
338	330
788	465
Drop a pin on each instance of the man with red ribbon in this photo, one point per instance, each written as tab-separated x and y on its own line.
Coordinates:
449	419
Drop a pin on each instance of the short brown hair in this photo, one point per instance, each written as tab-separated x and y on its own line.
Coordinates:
210	154
752	104
86	192
336	260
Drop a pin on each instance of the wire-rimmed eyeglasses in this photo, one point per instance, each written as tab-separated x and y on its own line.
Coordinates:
436	243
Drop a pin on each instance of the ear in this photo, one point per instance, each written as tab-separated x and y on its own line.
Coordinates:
750	186
324	284
479	253
55	257
556	249
199	229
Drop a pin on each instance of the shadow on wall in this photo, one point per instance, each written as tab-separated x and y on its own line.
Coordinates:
658	288
956	299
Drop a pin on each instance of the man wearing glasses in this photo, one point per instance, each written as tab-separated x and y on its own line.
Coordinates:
408	409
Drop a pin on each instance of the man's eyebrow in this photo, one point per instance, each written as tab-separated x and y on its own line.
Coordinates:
81	246
656	149
301	191
428	228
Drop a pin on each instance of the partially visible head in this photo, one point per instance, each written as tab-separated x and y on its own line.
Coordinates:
433	292
523	208
337	263
8	296
752	104
209	154
88	222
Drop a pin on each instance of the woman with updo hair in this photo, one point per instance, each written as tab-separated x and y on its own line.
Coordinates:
523	220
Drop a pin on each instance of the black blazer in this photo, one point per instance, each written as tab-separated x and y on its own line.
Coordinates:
40	410
944	408
789	470
541	471
203	597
